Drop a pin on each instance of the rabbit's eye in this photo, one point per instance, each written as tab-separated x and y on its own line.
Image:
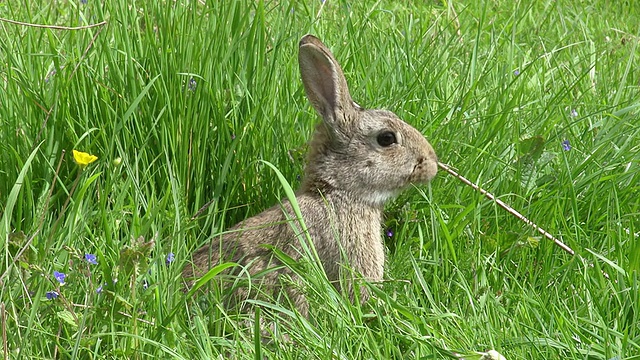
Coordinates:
386	138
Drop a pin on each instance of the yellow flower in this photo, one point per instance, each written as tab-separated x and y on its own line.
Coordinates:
83	159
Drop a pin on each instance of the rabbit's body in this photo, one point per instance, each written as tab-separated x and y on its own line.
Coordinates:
343	233
358	159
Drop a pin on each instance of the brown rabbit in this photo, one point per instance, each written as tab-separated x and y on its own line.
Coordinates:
358	159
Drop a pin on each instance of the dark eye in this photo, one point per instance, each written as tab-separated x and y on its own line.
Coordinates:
386	138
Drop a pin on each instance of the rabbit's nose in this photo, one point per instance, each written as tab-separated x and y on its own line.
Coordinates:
431	156
426	166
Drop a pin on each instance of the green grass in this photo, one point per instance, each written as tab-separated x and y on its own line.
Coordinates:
180	101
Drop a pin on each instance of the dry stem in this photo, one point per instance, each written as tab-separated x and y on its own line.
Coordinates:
503	205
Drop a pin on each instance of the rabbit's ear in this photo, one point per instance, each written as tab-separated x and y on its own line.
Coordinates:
323	80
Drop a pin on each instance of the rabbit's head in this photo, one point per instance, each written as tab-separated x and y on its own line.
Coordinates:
369	154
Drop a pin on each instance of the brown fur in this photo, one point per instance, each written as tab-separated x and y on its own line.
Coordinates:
348	178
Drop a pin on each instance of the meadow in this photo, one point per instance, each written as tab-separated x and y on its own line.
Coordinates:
185	102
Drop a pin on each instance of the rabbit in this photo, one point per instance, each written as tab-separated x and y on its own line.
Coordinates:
358	159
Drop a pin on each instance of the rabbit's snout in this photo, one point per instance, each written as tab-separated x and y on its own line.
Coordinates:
426	166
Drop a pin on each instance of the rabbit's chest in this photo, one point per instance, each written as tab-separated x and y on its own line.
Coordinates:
345	234
362	244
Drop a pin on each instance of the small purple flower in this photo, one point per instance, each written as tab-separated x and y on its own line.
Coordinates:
516	72
51	295
574	113
49	75
192	84
566	146
59	276
84	1
389	232
91	259
99	289
170	258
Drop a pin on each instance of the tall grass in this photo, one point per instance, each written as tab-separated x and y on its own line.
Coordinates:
180	101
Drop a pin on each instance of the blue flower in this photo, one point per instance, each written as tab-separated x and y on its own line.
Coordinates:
516	72
389	232
192	84
59	276
99	289
51	295
91	259
574	113
566	146
170	258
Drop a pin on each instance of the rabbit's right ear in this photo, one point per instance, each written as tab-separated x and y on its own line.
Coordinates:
324	82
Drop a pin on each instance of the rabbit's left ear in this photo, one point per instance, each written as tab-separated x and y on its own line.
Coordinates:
324	82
